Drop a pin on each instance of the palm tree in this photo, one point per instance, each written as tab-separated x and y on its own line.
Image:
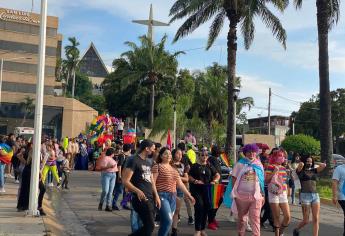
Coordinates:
28	107
146	63
72	59
239	13
328	12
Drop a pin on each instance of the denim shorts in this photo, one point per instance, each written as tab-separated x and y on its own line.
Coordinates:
179	193
309	198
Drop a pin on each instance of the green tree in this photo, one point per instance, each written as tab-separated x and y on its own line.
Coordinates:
146	63
83	86
327	12
238	13
72	54
27	107
303	144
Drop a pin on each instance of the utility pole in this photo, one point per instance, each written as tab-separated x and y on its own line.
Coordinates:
35	165
269	111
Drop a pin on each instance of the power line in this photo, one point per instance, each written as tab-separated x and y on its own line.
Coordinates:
288	99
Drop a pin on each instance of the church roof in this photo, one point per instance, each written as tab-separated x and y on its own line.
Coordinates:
92	64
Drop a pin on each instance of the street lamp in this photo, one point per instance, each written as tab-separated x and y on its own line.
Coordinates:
236	92
35	166
2	68
293	119
175	118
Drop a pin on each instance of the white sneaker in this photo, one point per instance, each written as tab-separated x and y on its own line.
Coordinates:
16	181
2	190
249	228
51	184
9	176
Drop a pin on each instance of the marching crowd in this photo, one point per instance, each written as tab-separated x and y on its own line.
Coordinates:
154	181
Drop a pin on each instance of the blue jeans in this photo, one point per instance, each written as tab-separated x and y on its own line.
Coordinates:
108	184
166	212
135	221
2	175
117	192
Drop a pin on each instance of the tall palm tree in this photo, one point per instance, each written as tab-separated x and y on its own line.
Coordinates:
239	13
72	59
146	63
328	12
28	107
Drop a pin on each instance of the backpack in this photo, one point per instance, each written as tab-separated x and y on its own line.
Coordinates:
276	185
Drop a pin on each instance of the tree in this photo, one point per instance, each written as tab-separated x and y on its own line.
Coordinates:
28	108
238	13
307	119
146	63
328	12
302	144
72	59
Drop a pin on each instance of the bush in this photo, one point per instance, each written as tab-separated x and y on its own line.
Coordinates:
303	144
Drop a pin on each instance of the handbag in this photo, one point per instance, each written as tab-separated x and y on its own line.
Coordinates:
276	184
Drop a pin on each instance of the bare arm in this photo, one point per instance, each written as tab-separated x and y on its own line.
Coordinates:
126	179
216	178
184	178
155	193
321	167
300	167
181	186
233	181
335	191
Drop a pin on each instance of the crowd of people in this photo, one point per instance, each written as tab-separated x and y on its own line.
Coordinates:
154	181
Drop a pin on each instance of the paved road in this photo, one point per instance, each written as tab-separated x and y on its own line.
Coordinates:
76	211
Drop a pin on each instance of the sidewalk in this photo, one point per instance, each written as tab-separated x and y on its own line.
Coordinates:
17	223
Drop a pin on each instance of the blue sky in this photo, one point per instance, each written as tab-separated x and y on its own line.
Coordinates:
291	73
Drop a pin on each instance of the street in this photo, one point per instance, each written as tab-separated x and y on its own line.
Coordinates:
76	213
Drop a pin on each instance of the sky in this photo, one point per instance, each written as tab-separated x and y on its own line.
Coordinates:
292	74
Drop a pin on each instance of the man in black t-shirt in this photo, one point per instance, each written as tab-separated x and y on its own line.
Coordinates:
137	178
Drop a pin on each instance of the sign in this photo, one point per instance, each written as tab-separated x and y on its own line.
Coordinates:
19	16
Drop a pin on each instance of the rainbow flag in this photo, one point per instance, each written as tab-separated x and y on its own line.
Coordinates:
6	153
225	159
215	192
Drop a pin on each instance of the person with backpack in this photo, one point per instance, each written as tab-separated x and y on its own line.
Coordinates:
310	200
248	189
276	178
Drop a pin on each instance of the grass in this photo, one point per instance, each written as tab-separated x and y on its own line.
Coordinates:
324	188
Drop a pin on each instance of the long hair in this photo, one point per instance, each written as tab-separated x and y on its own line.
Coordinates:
161	152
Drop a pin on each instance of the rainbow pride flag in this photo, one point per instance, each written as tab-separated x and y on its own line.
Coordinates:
225	159
6	153
215	192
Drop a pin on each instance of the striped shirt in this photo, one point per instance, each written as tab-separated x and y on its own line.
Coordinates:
282	172
167	178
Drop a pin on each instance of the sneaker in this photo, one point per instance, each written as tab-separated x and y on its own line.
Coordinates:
249	228
58	185
295	232
2	190
51	184
216	222
108	208
116	208
264	226
156	223
16	181
9	176
179	218
190	220
212	226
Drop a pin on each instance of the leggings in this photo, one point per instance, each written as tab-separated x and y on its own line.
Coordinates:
342	204
201	209
53	169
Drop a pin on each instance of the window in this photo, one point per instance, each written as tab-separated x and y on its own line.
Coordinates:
25	47
25	28
25	88
27	68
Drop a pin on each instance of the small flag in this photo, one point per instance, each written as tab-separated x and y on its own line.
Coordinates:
169	144
225	159
6	153
215	192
